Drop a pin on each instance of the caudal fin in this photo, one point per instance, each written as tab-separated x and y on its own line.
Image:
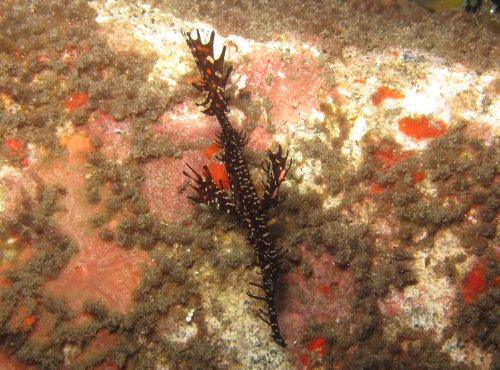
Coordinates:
214	79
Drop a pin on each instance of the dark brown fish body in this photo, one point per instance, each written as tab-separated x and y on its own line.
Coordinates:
243	202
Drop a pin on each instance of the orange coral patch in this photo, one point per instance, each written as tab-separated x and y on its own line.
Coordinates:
418	176
385	156
28	321
211	150
323	289
421	128
16	146
76	100
218	171
390	158
21	319
79	144
376	188
384	92
317	345
474	283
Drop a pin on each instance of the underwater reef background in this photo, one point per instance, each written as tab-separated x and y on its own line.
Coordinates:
390	210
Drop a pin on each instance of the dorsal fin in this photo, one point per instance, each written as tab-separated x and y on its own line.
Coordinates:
214	80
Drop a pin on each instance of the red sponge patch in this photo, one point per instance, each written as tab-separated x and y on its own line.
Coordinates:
474	283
